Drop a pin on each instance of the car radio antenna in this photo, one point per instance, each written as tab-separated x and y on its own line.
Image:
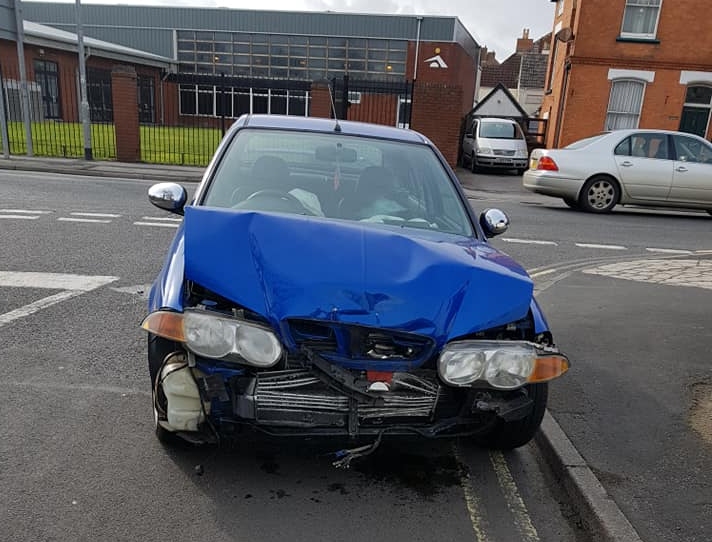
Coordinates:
337	126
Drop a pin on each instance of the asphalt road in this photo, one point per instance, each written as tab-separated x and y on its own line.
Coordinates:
79	462
638	402
78	459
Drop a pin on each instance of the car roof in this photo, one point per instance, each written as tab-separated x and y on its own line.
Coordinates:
315	124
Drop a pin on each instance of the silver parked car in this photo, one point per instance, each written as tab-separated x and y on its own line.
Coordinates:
656	168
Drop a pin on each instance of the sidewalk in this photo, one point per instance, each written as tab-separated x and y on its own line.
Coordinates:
104	168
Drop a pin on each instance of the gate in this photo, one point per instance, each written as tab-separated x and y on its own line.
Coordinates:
379	102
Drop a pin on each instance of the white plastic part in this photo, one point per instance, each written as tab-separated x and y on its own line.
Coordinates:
184	411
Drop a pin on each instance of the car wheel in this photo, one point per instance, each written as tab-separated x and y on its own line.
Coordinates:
510	435
572	203
473	164
521	171
158	349
599	195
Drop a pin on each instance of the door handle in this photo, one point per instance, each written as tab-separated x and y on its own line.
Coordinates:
681	169
626	163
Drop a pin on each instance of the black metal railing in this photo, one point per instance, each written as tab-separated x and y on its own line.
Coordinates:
386	102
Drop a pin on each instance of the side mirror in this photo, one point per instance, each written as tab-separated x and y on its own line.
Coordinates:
168	196
494	222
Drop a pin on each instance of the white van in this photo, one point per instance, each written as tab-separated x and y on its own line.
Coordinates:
496	143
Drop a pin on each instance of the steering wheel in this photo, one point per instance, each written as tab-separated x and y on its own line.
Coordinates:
272	193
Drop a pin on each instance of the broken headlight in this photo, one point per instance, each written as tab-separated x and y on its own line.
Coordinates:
502	364
215	336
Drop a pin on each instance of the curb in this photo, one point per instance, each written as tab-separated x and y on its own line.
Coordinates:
115	170
599	512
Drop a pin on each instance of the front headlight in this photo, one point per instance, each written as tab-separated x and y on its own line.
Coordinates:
503	364
484	150
215	336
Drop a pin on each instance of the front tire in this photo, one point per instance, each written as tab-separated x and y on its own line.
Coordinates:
473	164
510	435
599	195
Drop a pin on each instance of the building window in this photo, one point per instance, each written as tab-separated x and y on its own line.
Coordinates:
210	101
101	106
696	111
46	75
624	105
640	19
146	102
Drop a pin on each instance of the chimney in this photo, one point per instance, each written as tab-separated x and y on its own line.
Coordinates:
524	43
483	55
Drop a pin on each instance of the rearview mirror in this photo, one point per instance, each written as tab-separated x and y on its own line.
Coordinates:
335	153
168	196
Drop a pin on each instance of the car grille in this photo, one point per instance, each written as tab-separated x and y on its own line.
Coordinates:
286	394
337	341
503	152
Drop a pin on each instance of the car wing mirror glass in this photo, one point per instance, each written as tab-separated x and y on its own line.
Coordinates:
168	196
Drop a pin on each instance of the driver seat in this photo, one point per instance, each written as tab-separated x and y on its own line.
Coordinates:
269	172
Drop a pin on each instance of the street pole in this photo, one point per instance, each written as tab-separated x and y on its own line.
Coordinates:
24	95
3	124
86	121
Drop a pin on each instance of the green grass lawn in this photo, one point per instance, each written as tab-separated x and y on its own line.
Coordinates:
159	144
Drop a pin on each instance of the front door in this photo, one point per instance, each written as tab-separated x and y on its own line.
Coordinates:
644	166
692	176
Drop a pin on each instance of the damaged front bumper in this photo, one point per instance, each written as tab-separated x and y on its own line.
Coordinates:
323	399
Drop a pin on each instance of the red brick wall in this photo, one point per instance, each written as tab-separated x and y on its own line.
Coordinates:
124	97
376	108
684	42
320	101
460	71
437	114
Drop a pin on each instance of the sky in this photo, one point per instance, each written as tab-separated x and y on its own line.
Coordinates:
495	24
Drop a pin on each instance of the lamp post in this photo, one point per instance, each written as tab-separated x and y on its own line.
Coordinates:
24	95
84	108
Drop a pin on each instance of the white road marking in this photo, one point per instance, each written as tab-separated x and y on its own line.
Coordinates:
528	241
37	306
89	220
72	286
515	503
53	281
161	218
159	224
542	273
23	217
23	211
605	247
96	215
703	252
669	250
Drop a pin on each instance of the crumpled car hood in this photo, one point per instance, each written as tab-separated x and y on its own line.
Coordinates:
288	266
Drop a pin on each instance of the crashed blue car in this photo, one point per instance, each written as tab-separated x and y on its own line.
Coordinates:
329	278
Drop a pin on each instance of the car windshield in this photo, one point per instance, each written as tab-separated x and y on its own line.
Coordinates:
500	130
338	176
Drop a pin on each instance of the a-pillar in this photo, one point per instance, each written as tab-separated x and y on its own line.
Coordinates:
124	95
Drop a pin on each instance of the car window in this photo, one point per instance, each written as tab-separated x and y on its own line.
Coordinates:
340	177
583	142
690	149
644	145
500	130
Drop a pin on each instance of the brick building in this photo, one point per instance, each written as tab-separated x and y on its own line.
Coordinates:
628	63
279	62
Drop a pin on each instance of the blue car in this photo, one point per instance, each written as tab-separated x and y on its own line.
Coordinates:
329	278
